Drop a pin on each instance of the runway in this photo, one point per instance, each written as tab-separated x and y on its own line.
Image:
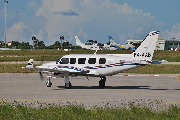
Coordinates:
119	88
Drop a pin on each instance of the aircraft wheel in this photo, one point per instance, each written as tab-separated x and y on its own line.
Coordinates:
49	84
68	85
101	83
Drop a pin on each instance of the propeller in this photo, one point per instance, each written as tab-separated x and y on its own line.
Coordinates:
41	75
40	72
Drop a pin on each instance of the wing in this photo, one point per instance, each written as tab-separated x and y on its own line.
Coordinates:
56	69
62	70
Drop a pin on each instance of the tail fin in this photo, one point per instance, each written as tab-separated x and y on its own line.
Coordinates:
111	41
146	49
110	38
30	64
78	42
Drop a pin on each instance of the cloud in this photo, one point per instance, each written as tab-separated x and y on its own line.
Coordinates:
139	30
97	19
175	32
82	34
67	13
18	32
41	35
89	19
32	3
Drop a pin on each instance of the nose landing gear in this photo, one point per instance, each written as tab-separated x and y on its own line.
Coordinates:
49	83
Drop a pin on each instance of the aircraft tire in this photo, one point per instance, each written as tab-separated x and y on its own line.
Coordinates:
49	84
68	85
101	83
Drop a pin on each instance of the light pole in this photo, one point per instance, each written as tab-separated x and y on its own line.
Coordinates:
5	23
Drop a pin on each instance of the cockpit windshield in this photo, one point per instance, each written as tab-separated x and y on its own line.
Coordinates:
57	61
63	61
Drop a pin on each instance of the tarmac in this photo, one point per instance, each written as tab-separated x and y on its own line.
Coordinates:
120	90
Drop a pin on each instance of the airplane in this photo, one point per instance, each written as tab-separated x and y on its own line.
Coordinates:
118	46
94	46
97	65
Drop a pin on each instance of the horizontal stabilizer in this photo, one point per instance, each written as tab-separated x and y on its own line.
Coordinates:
30	64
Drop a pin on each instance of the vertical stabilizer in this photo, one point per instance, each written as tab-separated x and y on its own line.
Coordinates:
146	49
30	64
78	42
112	42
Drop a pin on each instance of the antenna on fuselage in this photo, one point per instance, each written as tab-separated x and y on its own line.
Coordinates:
95	52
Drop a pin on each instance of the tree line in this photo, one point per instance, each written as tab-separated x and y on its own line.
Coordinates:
37	45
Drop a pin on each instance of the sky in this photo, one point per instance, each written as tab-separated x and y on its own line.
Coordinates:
47	20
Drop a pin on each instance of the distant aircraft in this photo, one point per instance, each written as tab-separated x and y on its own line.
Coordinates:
94	45
118	46
97	65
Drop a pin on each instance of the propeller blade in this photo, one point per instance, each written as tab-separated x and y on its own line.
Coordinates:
41	75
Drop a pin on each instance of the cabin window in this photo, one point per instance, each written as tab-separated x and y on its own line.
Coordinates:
92	60
175	43
72	60
81	60
64	61
102	61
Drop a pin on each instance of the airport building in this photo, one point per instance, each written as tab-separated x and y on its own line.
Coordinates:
172	44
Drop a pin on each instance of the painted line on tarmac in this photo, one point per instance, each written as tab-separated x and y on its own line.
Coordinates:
126	75
177	79
3	87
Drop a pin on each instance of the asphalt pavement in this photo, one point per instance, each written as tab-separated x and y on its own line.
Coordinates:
120	90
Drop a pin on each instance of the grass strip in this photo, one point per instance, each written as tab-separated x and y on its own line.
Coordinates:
73	112
157	69
53	54
15	68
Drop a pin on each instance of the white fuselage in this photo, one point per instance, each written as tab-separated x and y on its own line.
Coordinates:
97	65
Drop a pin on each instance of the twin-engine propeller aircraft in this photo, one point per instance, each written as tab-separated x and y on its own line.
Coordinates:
97	65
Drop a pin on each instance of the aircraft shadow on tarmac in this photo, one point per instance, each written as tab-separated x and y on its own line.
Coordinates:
112	87
107	87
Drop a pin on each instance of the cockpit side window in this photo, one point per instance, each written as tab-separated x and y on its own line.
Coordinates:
81	60
64	61
102	61
92	60
72	60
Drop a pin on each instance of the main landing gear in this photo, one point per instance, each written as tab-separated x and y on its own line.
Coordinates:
102	81
68	83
